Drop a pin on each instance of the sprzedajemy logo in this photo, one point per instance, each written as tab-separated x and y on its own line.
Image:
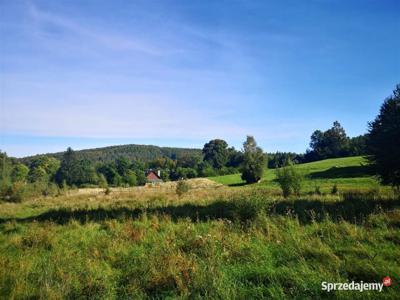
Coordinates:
356	286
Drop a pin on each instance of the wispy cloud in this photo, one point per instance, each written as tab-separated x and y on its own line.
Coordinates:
46	22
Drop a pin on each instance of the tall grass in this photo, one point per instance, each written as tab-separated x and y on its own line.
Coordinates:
202	245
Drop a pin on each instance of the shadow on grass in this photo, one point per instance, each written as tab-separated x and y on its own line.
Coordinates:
353	211
238	184
343	172
216	210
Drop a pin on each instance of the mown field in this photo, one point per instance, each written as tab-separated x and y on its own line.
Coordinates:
213	242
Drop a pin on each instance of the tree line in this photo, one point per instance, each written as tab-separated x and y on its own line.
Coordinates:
48	175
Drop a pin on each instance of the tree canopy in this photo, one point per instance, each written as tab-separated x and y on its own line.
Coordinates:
254	161
384	140
331	143
216	153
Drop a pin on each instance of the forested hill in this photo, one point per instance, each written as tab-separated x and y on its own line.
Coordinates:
142	153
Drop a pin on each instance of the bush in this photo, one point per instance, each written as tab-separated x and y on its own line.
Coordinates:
334	189
51	190
102	181
289	180
182	187
247	208
208	172
317	190
107	191
140	177
17	192
130	178
5	186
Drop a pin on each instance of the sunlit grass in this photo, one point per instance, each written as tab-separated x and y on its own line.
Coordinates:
217	243
347	173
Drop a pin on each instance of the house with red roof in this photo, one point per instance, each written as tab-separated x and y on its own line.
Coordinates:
153	176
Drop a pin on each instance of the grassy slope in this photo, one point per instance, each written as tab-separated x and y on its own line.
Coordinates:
347	173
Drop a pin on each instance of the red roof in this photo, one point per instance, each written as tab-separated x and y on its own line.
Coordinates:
152	175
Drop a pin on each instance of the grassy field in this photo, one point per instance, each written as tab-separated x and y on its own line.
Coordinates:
347	173
214	242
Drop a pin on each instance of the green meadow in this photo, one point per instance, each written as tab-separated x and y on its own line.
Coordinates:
347	173
213	242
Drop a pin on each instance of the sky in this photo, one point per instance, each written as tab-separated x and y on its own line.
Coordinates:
179	73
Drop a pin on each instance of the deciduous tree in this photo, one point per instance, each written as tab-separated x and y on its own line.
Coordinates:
254	161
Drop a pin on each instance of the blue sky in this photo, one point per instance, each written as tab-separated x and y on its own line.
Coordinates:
179	73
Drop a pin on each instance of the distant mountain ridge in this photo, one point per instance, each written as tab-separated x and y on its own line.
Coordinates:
142	153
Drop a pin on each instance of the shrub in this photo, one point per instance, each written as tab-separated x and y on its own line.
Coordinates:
5	186
130	178
247	208
334	189
140	177
107	191
102	181
182	187
51	190
17	192
208	172
289	180
317	190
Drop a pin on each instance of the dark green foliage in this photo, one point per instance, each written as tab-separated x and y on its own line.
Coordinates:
19	173
278	159
189	161
107	191
254	161
206	170
130	178
165	175
86	173
43	169
334	189
49	164
140	177
289	180
384	140
69	166
216	153
183	173
5	173
235	158
358	145
161	163
16	192
102	181
331	143
76	172
38	174
122	165
317	190
142	153
51	190
110	173
182	187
